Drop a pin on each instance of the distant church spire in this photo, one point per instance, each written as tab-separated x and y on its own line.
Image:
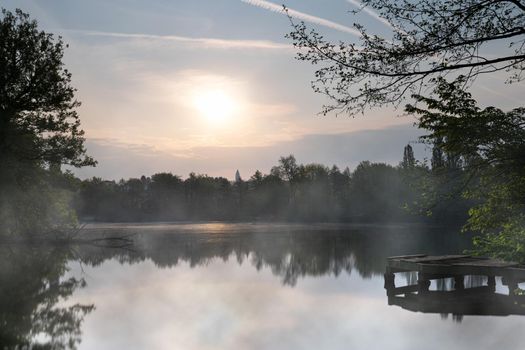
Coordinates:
238	176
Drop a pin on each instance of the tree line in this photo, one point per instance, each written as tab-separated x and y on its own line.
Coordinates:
372	192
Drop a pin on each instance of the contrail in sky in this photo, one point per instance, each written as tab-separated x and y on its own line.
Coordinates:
199	42
369	11
270	6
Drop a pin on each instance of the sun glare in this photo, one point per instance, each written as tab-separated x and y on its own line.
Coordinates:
215	105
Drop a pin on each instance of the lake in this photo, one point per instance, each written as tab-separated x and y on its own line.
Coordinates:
235	286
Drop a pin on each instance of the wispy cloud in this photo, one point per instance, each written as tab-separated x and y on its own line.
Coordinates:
197	42
370	12
270	6
121	159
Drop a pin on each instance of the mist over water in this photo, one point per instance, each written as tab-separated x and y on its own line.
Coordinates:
248	286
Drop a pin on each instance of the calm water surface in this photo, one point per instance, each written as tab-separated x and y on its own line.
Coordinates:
234	286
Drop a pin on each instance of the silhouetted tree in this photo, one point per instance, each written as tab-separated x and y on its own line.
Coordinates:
492	142
375	192
409	161
39	128
288	170
238	176
38	120
437	161
430	39
165	197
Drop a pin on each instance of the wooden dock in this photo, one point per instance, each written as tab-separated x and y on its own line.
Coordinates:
458	300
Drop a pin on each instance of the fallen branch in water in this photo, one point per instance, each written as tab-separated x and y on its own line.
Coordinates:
71	236
114	241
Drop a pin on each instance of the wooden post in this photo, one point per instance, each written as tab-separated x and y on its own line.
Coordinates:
390	280
459	282
390	283
491	283
423	283
513	285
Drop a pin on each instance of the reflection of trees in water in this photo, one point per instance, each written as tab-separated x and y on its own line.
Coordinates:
32	290
291	253
34	293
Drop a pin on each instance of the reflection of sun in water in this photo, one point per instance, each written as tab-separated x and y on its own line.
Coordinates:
215	105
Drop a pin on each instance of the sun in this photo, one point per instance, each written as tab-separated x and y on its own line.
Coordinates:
216	106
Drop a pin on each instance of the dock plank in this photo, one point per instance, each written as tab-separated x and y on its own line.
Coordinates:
458	265
429	259
487	263
407	256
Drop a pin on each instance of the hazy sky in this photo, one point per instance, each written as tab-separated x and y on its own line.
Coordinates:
213	86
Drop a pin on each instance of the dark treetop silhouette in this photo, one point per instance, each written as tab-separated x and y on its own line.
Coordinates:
373	192
430	38
485	162
39	127
38	121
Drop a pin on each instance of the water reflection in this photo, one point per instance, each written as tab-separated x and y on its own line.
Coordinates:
457	294
211	286
290	251
32	292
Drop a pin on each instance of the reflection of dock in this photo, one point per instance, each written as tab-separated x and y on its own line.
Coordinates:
458	299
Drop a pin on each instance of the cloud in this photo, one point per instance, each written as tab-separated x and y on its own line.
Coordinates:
212	43
270	6
122	160
370	12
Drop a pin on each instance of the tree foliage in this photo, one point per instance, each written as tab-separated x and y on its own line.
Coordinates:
39	128
487	146
38	120
483	137
291	191
409	161
430	39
